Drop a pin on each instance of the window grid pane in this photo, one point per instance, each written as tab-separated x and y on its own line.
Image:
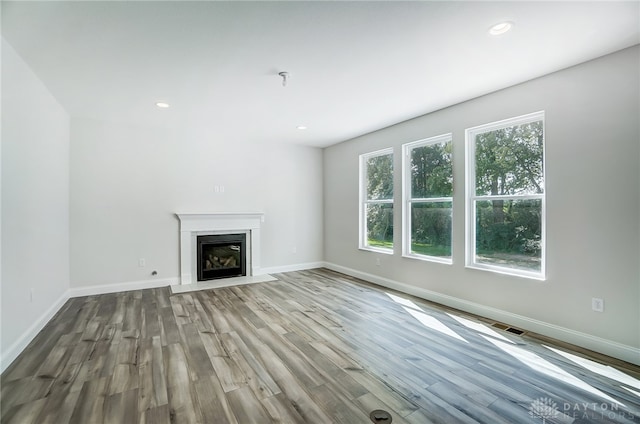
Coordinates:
380	177
431	228
509	233
431	171
509	161
379	225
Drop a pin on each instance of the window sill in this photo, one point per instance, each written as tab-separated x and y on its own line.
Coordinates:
376	250
446	261
508	271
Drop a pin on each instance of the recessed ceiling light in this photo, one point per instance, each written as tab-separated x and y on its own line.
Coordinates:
501	28
162	105
301	127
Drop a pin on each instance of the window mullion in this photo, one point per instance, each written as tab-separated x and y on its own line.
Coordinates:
508	197
378	201
431	199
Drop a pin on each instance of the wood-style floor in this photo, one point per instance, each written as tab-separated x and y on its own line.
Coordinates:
313	347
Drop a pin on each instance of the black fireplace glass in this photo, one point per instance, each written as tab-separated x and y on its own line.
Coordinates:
221	256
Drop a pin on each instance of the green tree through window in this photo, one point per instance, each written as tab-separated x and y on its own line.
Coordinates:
376	170
507	195
428	214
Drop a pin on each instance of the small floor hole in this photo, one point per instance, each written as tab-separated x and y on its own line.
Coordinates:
380	416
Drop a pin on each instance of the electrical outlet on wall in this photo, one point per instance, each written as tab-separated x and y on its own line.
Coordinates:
597	304
142	263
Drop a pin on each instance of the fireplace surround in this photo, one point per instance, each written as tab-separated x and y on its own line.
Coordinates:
194	225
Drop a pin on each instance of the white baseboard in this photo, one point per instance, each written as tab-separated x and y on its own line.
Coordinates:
289	268
588	341
19	345
120	287
150	284
597	344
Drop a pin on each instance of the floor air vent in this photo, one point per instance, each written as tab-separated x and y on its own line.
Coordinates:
500	326
507	328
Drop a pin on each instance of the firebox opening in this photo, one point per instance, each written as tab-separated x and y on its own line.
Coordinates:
221	256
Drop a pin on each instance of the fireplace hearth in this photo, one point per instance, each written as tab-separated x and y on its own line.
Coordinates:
221	256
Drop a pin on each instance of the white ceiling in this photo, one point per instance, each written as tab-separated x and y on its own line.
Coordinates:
355	66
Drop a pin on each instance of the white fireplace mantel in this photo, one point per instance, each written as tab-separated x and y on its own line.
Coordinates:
193	225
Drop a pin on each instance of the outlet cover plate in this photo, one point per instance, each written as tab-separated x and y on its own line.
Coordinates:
597	304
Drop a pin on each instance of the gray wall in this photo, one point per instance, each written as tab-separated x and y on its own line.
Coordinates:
593	204
128	182
83	200
35	204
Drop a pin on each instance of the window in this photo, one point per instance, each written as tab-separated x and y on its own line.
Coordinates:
505	196
376	201
428	190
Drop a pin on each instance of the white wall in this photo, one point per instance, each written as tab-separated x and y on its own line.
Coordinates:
593	207
35	204
127	183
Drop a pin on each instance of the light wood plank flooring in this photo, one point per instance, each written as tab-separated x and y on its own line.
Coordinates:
312	347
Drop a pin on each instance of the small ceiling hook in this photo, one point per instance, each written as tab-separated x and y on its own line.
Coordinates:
285	77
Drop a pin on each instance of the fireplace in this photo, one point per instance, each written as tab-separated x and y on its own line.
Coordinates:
194	226
221	256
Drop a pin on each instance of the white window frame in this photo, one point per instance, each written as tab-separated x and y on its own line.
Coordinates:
408	199
363	201
471	197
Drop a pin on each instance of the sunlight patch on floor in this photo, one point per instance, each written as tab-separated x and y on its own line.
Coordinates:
539	364
424	319
402	301
632	391
604	370
479	327
433	323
